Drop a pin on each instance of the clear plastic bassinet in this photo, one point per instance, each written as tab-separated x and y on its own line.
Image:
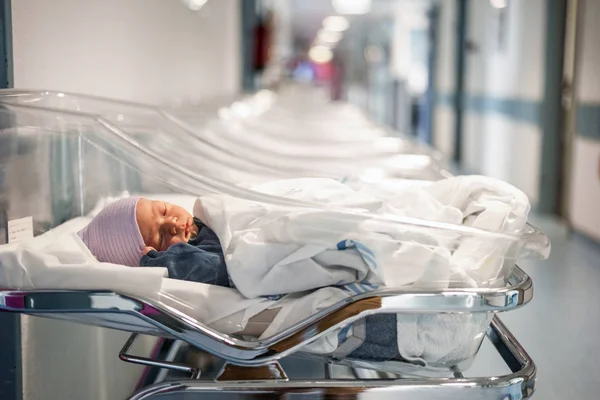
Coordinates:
300	127
343	122
57	167
252	154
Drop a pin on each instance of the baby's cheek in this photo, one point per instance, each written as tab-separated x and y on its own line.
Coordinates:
176	240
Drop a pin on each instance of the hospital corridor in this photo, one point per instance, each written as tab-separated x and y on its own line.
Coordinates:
299	199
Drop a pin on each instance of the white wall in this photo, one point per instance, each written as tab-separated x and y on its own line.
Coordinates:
444	117
587	82
501	147
514	71
584	198
495	144
145	50
584	193
142	50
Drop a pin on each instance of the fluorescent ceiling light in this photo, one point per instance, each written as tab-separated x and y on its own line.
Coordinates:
336	23
328	36
499	3
320	54
194	5
351	6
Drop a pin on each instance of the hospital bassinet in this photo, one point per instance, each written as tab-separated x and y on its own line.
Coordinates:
57	166
323	128
225	139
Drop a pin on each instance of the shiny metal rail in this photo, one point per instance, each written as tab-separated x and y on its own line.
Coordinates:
113	310
125	356
519	384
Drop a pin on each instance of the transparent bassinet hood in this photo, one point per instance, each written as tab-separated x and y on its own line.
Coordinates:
246	159
93	158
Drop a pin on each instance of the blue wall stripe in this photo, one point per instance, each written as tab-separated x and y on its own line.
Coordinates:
528	111
588	120
444	99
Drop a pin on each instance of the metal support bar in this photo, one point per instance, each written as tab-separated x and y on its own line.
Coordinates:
328	371
269	372
174	366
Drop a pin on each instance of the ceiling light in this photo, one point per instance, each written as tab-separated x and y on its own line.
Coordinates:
320	54
328	36
351	6
499	3
336	23
194	5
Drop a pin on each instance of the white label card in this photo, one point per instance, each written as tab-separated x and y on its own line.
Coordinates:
20	229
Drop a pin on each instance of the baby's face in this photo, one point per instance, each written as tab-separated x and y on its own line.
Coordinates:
163	224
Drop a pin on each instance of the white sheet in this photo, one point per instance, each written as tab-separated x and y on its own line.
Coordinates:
63	262
271	250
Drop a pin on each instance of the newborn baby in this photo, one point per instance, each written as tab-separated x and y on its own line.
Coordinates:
140	232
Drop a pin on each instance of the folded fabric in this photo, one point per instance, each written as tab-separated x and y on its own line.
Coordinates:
273	250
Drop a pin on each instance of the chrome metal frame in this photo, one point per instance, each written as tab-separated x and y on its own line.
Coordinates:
117	311
519	384
257	361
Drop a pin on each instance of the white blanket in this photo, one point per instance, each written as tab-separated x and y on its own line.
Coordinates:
62	261
274	250
59	260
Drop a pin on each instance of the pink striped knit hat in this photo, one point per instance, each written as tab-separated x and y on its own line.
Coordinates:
113	236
